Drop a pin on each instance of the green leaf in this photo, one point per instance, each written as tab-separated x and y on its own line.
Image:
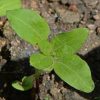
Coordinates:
73	39
74	71
6	5
65	50
29	25
45	47
41	62
26	84
18	85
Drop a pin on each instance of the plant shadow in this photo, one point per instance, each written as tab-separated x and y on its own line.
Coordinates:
11	71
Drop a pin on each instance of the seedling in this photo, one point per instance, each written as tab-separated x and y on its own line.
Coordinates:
58	54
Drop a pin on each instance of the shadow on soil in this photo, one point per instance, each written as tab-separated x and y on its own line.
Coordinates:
11	71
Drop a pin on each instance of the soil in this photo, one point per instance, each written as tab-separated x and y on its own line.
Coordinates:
61	15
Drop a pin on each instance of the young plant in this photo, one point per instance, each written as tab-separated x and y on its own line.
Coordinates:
58	54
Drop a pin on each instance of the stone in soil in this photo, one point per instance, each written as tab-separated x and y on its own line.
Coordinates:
96	17
91	26
68	16
91	3
73	7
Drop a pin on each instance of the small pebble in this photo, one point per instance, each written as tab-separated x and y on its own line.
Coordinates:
68	16
86	49
73	8
96	17
91	26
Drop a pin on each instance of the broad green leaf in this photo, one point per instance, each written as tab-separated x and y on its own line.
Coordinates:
45	47
29	25
74	71
65	50
6	5
41	62
26	84
73	39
